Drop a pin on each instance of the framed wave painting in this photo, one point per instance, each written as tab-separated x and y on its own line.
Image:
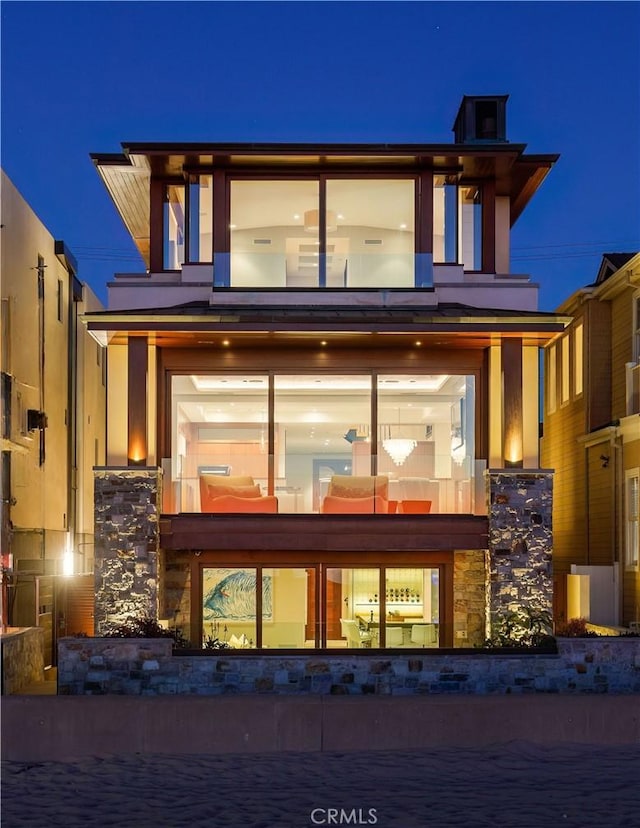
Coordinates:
230	594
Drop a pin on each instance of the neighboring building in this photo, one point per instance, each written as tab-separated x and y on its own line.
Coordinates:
323	394
53	419
592	440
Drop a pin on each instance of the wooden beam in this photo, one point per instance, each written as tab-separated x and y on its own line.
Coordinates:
512	444
137	401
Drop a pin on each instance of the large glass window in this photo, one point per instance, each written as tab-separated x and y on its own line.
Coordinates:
426	441
229	600
470	227
364	238
320	453
358	607
394	607
200	218
457	223
370	233
290	619
174	226
323	425
220	432
274	228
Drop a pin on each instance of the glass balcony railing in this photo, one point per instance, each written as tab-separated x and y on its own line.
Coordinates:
338	270
304	484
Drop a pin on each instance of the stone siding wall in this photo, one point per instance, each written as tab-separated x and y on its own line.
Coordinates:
470	584
126	544
103	666
520	545
175	600
22	659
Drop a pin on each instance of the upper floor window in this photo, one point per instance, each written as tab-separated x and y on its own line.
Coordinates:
200	218
457	223
552	379
174	226
632	540
578	349
334	233
564	378
60	300
636	328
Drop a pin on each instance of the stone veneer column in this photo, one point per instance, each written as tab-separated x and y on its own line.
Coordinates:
126	544
470	585
520	542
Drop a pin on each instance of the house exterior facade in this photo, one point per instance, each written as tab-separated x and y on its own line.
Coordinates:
323	394
592	440
53	420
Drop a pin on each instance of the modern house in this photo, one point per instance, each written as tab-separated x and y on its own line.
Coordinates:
53	422
592	440
322	425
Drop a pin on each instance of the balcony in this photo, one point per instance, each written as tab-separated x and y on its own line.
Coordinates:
426	485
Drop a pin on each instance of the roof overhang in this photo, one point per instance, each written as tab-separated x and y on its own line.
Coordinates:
127	175
362	329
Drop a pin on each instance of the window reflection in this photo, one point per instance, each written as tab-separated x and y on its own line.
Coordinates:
200	218
318	456
457	223
274	238
366	237
174	212
370	233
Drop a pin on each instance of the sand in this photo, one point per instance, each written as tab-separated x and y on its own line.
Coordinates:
513	785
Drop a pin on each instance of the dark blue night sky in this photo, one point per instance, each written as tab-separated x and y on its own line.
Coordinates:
82	77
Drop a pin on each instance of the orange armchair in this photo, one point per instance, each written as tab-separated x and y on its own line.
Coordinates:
357	495
234	495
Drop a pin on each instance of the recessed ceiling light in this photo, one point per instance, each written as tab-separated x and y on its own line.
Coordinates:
324	342
418	342
225	342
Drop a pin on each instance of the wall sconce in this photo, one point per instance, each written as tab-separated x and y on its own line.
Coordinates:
605	460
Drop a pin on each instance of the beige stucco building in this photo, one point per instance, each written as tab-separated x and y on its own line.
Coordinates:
53	418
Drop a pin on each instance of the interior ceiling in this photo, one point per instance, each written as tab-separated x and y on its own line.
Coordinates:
319	402
385	204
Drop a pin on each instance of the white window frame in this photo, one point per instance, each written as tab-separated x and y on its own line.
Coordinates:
636	327
632	519
552	378
565	373
578	359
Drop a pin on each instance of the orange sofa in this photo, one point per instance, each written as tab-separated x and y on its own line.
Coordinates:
234	495
357	495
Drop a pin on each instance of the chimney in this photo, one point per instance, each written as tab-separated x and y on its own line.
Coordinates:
481	119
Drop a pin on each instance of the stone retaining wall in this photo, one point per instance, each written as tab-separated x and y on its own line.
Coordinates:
22	659
100	666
